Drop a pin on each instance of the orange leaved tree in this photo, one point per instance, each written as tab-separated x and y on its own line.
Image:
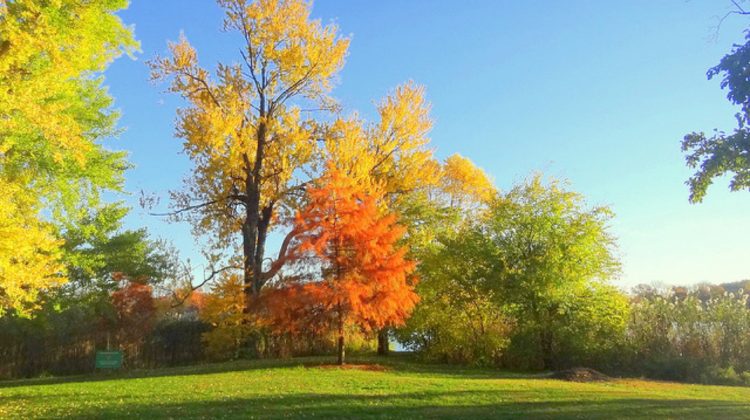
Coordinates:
362	277
135	311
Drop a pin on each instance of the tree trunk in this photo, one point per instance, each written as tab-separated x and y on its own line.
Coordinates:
341	337
341	350
253	237
249	239
260	248
383	344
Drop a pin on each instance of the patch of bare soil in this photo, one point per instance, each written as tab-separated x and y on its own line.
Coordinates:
368	367
580	374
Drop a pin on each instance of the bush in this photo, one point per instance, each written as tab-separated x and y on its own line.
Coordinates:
722	376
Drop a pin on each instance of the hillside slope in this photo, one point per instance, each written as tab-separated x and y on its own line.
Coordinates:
391	388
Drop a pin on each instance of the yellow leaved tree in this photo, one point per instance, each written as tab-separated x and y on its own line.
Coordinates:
248	128
393	152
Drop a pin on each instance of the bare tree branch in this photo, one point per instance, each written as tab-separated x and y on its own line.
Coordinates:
237	197
739	10
179	301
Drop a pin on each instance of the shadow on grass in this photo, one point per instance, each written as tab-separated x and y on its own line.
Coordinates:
397	362
456	404
201	369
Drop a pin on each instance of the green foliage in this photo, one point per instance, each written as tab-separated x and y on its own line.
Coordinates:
722	153
97	250
524	285
555	255
54	115
59	338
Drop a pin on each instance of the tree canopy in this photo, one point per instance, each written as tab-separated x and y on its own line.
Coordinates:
364	277
724	153
245	128
54	113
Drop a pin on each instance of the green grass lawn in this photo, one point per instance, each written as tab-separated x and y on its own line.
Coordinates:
294	388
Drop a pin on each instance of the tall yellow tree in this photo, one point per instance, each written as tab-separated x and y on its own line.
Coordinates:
245	127
394	154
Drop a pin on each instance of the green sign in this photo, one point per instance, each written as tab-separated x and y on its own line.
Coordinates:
108	359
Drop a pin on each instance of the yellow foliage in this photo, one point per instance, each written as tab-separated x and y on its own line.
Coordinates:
465	183
29	252
40	66
52	112
401	140
223	309
285	38
393	153
244	128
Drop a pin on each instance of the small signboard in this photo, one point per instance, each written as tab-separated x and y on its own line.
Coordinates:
108	359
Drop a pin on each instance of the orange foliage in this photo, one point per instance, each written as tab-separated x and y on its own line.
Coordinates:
196	300
134	305
365	279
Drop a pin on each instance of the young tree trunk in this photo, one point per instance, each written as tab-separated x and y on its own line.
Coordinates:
341	350
341	337
383	344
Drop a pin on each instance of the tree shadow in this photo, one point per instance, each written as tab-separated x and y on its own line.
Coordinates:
201	369
454	404
398	362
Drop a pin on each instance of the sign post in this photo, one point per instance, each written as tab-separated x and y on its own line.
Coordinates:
108	360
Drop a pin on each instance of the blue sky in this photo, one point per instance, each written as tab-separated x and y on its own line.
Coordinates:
597	92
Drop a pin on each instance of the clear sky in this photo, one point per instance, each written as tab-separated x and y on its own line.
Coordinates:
597	92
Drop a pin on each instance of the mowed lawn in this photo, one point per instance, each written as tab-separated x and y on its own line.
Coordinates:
299	388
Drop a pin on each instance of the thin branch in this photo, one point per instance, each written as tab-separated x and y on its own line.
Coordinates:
186	209
297	188
739	11
249	61
237	197
288	92
179	301
205	85
385	158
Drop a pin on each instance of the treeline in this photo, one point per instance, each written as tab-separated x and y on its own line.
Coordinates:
520	282
380	237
